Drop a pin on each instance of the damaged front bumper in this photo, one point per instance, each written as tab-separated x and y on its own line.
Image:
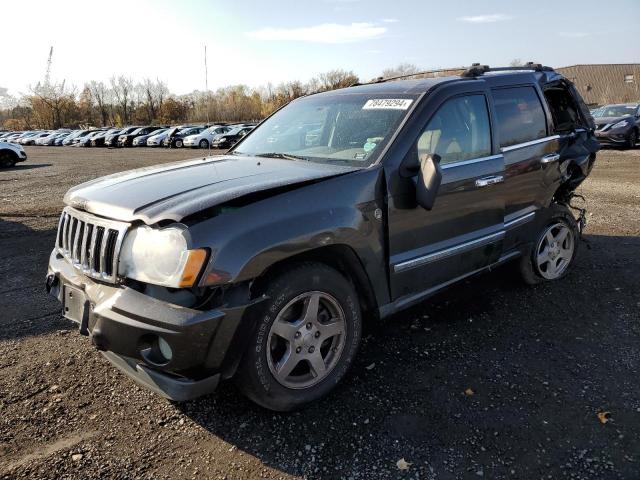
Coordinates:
612	138
178	352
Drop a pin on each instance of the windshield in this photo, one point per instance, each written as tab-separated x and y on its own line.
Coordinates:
615	111
348	128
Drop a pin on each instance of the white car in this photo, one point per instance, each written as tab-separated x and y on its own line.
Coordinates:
31	139
10	154
206	137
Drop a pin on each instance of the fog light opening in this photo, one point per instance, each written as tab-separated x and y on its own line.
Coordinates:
165	349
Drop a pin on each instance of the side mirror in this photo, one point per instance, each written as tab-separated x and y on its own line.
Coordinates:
428	182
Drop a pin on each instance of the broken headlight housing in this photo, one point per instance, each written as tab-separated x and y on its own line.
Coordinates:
161	256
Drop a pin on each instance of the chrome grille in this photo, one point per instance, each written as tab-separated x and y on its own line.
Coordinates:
92	244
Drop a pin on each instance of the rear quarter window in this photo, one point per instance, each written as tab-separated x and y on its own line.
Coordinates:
520	115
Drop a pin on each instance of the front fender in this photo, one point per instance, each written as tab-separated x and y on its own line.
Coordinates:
335	211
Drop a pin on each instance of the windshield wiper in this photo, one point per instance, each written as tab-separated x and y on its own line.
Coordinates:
285	156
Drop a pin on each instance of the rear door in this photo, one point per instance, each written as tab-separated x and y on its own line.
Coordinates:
463	232
531	158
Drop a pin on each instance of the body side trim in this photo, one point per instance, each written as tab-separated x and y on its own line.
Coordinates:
405	302
518	146
520	220
469	162
447	252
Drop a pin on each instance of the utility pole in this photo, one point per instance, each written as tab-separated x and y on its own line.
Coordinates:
47	76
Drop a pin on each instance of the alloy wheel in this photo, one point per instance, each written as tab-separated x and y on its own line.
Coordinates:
306	340
555	251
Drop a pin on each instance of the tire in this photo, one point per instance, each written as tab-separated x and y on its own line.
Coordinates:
203	144
632	139
560	238
7	160
329	345
178	143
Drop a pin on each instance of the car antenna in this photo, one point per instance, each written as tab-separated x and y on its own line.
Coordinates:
206	89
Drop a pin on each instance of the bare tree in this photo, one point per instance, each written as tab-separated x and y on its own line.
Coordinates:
154	96
331	80
52	104
123	90
516	62
100	96
400	69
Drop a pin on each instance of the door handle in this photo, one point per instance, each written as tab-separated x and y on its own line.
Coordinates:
552	157
486	181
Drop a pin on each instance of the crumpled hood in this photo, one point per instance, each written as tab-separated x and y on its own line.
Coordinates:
173	191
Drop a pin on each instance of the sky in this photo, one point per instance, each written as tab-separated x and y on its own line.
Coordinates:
254	42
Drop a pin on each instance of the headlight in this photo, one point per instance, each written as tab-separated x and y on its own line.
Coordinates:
622	124
160	257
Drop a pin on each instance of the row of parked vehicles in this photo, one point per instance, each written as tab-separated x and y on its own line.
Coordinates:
194	136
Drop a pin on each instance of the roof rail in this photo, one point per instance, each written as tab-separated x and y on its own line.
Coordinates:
407	75
476	69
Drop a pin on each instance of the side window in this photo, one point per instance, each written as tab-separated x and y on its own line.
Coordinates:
520	115
563	109
458	131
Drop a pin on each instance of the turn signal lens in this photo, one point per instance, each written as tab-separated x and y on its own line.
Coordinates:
192	267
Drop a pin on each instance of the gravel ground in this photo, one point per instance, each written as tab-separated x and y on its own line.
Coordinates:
489	379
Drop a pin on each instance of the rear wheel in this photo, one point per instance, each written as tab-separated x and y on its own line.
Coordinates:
306	338
204	144
552	254
178	143
7	160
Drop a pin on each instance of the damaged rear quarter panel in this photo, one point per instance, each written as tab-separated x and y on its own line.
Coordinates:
335	211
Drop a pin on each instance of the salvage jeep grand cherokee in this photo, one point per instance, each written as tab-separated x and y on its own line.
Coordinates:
343	206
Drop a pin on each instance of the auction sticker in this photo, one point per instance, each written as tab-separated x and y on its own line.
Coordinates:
387	104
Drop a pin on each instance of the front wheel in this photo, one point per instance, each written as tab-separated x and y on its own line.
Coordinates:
178	143
305	340
632	139
7	160
552	254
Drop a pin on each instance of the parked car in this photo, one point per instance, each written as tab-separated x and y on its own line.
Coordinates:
112	140
10	154
51	139
204	138
85	140
61	138
126	140
232	137
176	140
98	140
262	265
156	140
31	139
73	137
141	141
618	124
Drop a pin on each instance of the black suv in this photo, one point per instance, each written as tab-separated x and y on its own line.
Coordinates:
264	264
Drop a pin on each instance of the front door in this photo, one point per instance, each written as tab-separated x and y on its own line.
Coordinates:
464	230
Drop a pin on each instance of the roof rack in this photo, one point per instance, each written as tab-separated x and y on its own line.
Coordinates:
476	69
407	75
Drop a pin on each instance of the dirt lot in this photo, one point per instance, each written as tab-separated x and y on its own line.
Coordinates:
542	363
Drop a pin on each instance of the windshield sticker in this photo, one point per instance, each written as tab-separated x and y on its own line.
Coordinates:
387	104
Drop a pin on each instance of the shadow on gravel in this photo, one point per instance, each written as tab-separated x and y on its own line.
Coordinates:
26	308
28	166
491	374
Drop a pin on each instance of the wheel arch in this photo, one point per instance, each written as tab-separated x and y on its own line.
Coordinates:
342	258
12	154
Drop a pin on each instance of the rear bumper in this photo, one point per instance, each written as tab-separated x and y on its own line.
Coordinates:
126	325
